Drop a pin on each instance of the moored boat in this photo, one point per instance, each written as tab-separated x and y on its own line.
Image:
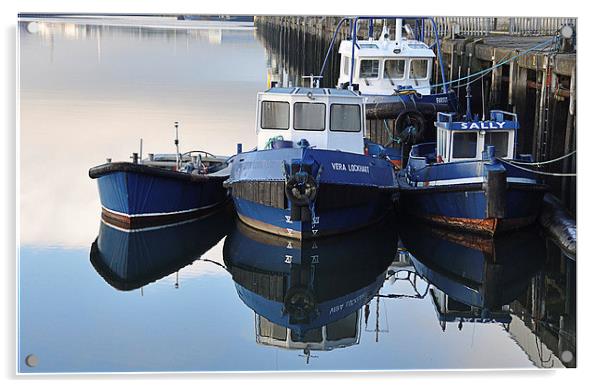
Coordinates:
161	189
289	283
393	73
475	277
471	178
310	175
129	259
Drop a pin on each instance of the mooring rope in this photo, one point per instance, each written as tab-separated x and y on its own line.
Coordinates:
391	137
544	162
522	53
559	174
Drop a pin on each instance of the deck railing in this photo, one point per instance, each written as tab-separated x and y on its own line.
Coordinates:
480	26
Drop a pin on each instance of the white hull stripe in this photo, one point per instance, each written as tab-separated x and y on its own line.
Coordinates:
462	181
160	214
148	228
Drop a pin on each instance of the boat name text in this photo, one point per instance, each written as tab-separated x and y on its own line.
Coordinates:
484	125
350	167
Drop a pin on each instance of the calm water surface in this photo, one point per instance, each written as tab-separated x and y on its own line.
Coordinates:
213	294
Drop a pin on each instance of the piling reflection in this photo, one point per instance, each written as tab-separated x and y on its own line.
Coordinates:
520	280
286	65
309	294
130	259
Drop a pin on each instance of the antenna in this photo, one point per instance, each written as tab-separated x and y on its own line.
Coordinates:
177	143
140	150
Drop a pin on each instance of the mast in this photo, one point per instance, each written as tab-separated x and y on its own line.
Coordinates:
398	29
177	143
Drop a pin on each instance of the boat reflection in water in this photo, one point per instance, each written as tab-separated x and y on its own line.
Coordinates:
130	259
505	280
309	294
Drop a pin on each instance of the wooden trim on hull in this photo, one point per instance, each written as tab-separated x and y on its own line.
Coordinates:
125	221
263	226
488	226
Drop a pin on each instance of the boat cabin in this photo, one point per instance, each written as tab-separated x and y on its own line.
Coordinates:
470	140
384	65
338	334
450	311
330	119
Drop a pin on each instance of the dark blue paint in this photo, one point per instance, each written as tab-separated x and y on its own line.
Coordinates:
482	272
274	165
129	259
312	269
135	193
463	200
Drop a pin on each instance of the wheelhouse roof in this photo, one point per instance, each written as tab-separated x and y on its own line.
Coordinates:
386	48
314	91
499	120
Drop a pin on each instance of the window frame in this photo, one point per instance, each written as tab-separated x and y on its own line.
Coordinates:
428	65
453	145
310	130
359	68
340	130
405	73
288	122
508	142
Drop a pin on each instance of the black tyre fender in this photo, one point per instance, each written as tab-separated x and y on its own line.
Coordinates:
415	119
298	193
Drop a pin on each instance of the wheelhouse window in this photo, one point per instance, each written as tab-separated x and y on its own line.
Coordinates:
271	330
419	68
311	336
345	118
309	116
346	65
343	328
499	140
464	145
442	143
275	115
369	68
395	68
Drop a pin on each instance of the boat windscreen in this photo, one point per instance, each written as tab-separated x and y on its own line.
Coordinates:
343	328
309	116
419	68
275	114
345	118
311	336
271	330
464	145
395	68
500	141
369	68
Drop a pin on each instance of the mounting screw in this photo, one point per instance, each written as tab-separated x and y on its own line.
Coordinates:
31	360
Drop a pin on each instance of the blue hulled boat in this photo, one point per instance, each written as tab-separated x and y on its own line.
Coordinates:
471	178
311	174
161	189
289	283
130	259
475	277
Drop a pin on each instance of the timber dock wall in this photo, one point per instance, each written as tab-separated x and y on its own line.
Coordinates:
540	86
